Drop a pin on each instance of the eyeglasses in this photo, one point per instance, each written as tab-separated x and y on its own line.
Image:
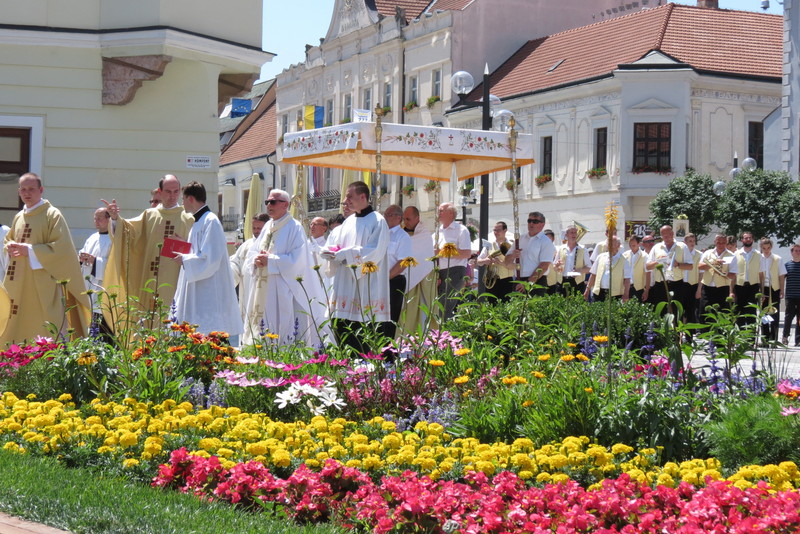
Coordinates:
273	201
649	241
535	221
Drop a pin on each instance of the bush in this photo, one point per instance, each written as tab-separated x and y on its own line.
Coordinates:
753	431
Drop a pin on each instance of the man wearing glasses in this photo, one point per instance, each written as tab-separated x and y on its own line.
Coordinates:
535	254
286	300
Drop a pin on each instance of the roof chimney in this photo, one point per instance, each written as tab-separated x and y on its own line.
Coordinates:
713	4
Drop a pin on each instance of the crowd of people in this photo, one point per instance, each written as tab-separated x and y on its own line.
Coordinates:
359	273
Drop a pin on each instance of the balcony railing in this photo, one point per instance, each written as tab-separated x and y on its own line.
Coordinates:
324	201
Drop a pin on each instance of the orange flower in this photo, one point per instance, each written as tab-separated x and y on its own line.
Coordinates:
177	348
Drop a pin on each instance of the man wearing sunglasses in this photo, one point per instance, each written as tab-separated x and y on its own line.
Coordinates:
286	300
535	254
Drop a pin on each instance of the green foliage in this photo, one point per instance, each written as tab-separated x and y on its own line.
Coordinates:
762	202
753	431
39	489
691	195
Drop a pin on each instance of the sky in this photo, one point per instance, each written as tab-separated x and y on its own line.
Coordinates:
291	24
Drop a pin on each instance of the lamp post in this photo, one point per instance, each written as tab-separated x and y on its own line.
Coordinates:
748	165
462	83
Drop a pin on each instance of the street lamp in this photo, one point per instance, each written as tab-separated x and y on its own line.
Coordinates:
748	165
462	83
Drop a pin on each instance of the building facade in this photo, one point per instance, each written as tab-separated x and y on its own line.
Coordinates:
103	97
621	107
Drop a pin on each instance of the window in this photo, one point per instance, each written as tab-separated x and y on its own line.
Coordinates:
436	85
600	147
387	94
285	124
651	146
15	144
413	89
299	121
348	108
326	179
547	155
366	101
755	142
329	112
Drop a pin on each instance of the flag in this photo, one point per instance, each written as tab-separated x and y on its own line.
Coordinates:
313	117
362	115
241	107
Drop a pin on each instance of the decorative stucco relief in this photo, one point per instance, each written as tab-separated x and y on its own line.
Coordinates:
123	76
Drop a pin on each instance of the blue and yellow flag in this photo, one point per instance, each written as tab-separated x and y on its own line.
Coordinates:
313	117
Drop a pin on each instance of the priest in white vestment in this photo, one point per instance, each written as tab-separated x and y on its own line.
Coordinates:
286	300
241	277
420	278
358	257
93	257
205	294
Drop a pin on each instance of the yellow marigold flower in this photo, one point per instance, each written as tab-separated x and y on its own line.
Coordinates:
461	380
527	403
469	372
369	267
572	345
538	374
436	363
588	390
525	475
581	357
86	359
600	339
449	250
410	261
65	397
544	357
462	352
620	448
567	358
130	462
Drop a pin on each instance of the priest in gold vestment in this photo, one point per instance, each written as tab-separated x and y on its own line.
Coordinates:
43	273
136	271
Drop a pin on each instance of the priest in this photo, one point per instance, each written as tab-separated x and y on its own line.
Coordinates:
205	294
137	273
43	274
241	277
360	297
286	303
421	278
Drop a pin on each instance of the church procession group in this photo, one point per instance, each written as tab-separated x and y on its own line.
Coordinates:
359	272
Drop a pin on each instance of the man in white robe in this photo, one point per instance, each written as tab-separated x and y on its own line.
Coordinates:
316	242
93	257
285	301
399	250
360	297
241	277
205	294
421	279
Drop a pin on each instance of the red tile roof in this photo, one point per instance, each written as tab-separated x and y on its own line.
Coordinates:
455	5
258	140
718	41
414	8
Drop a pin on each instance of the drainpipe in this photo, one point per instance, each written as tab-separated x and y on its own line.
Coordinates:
274	171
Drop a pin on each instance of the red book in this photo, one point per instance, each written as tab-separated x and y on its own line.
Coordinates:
173	246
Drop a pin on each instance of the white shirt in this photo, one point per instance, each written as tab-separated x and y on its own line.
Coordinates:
399	246
602	259
457	234
535	250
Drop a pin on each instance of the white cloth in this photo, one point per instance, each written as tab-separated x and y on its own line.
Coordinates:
569	258
535	250
286	299
602	260
205	293
399	247
3	254
421	250
98	245
242	278
457	234
358	296
669	257
315	246
766	266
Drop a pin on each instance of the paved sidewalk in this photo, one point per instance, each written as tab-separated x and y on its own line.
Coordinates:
15	525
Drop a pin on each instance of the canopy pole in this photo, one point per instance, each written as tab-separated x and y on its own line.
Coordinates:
297	199
512	143
378	135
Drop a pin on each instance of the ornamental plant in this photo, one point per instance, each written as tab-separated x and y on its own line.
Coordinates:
542	179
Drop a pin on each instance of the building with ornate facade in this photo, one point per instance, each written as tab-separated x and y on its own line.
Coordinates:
620	107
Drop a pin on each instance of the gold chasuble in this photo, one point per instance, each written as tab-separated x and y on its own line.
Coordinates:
134	262
36	297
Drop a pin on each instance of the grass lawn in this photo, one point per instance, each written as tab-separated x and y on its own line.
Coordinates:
83	501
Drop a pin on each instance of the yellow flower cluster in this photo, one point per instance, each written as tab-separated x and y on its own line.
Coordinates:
132	432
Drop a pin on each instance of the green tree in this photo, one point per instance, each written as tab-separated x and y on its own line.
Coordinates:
692	195
762	202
